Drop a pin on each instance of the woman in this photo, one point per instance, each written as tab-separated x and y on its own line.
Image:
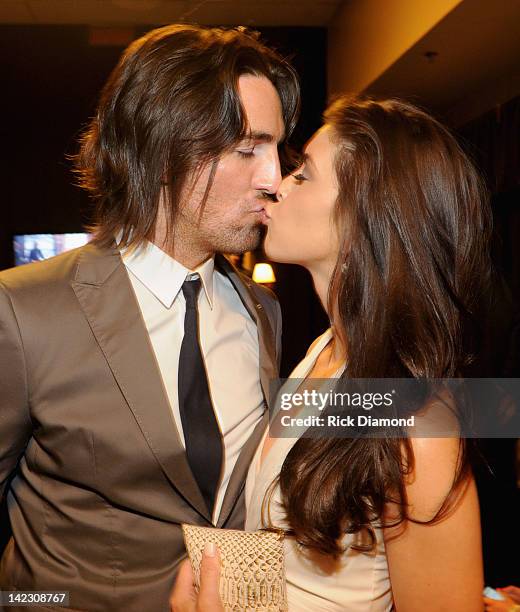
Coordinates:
389	217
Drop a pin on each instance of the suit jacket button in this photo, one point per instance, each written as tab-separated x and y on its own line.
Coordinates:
259	306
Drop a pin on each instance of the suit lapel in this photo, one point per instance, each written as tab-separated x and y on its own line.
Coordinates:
268	372
105	294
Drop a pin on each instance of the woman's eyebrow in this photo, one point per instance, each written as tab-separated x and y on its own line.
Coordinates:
307	159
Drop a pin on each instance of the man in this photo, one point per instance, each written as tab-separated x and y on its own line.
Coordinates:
134	378
35	253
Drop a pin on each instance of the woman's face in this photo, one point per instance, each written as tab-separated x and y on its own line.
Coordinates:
299	226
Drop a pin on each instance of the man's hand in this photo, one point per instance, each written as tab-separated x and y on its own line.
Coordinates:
184	596
510	591
504	605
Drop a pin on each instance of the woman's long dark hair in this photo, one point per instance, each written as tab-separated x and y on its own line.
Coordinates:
414	226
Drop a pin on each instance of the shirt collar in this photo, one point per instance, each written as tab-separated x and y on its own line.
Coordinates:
163	275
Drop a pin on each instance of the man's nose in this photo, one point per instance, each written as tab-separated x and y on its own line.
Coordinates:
269	177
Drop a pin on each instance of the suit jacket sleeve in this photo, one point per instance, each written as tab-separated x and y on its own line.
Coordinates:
15	422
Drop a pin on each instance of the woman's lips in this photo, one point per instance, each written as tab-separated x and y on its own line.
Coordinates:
267	214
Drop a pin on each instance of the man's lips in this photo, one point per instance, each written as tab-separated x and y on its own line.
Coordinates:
262	213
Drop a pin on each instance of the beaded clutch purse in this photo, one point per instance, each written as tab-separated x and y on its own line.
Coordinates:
252	575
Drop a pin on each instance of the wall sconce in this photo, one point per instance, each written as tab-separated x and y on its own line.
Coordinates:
263	273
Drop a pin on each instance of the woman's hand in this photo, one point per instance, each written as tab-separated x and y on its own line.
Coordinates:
184	597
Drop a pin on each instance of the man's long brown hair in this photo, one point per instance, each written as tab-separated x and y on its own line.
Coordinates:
414	225
170	107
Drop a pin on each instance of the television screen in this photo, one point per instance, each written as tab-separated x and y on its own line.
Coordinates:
35	247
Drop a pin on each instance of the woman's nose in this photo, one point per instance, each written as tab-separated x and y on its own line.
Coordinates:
283	189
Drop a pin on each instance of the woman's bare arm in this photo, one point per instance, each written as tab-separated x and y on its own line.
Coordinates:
437	567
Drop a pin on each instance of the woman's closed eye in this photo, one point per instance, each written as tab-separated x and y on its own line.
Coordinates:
299	177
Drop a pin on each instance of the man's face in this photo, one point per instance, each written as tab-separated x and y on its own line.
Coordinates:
231	221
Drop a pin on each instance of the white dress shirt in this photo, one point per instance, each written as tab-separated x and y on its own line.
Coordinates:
228	339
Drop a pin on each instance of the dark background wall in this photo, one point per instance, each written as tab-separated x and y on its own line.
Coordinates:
493	140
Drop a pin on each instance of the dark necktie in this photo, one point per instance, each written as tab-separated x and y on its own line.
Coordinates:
201	431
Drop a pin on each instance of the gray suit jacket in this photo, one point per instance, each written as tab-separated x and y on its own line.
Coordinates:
103	480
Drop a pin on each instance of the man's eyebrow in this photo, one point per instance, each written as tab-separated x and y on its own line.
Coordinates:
262	137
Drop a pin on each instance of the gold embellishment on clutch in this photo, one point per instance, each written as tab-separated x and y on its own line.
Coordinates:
252	575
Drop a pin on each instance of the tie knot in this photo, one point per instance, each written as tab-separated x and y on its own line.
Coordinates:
190	289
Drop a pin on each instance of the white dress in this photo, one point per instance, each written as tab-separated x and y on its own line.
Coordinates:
358	581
